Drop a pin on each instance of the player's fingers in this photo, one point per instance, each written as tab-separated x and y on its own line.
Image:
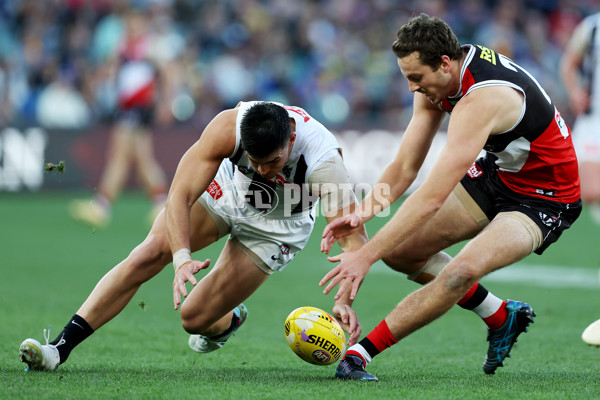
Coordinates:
342	288
355	287
332	284
354	220
334	258
205	264
176	298
328	276
181	287
355	326
354	336
335	224
329	242
345	319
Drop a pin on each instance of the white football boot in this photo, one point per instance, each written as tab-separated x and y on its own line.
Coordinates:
89	212
39	357
591	334
204	344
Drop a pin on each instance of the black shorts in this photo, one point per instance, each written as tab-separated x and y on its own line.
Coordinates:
138	116
493	197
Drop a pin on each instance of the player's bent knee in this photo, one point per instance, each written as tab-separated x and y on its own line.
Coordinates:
459	276
192	321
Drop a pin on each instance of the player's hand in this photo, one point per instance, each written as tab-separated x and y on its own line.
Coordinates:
186	274
347	318
352	269
339	228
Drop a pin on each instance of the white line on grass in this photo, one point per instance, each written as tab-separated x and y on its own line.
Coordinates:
537	275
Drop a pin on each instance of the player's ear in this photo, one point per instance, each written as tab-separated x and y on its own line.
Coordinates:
445	64
292	137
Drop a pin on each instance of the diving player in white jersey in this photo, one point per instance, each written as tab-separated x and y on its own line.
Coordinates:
243	177
580	70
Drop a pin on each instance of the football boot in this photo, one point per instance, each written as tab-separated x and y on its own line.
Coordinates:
352	368
520	315
39	357
205	344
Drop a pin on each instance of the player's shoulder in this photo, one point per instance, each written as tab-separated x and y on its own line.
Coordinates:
220	133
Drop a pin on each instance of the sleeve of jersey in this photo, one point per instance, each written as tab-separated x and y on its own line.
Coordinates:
331	179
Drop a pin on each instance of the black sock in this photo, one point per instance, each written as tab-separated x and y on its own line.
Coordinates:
235	322
369	347
75	332
475	298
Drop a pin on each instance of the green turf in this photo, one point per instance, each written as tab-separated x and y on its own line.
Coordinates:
50	264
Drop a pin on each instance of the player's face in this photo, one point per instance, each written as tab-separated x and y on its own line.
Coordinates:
423	79
270	165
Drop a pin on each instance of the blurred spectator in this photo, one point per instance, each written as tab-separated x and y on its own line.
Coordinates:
144	82
580	68
330	56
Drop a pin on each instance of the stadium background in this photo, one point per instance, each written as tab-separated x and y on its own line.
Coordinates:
331	57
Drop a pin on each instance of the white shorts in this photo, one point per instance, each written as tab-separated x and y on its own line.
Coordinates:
271	243
586	138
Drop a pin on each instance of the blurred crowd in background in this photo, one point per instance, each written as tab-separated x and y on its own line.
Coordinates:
332	57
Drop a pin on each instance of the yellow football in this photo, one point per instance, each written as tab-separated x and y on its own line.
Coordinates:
315	336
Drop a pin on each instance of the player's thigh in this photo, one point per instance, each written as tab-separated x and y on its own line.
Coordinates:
144	149
508	238
232	280
451	224
121	143
204	230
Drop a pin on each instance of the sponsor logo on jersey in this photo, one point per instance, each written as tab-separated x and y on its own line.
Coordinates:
298	111
488	54
214	190
278	179
549	193
474	171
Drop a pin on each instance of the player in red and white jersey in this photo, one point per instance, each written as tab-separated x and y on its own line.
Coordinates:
138	79
580	70
515	200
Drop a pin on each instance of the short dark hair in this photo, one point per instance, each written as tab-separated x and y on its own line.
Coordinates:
431	37
265	127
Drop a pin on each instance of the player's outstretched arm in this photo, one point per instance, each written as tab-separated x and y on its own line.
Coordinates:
397	176
195	171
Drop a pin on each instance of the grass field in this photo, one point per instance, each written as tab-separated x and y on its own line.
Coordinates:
50	264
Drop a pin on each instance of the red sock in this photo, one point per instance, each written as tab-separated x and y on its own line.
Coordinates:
378	340
381	337
483	303
497	319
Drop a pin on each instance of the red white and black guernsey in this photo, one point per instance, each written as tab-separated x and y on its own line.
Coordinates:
536	156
